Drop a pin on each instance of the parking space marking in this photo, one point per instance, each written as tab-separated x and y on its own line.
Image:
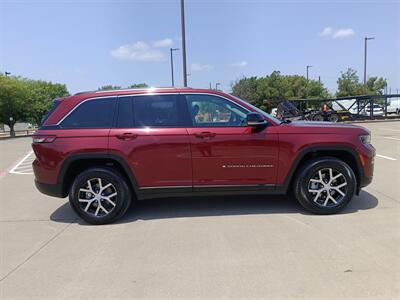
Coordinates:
386	157
389	129
391	138
24	166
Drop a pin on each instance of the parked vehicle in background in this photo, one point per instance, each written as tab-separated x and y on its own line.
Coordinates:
106	149
377	110
393	106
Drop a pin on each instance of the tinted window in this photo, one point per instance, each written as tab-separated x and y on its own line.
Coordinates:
213	111
91	114
125	114
157	111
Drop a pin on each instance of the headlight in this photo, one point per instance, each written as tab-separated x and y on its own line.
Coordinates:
365	139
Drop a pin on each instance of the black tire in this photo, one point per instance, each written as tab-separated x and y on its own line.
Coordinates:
308	179
122	200
318	118
333	118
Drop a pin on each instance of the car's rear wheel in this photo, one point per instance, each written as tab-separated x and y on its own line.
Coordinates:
100	195
318	118
333	118
325	185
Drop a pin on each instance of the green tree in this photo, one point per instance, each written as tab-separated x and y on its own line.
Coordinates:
41	96
246	89
13	101
109	87
138	86
349	85
266	91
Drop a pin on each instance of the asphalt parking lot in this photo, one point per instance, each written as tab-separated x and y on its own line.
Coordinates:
225	247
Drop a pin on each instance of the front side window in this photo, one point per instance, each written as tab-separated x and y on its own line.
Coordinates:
157	111
96	113
213	111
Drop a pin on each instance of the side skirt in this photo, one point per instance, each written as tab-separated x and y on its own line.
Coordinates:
209	190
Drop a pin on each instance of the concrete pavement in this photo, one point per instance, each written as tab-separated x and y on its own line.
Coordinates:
224	247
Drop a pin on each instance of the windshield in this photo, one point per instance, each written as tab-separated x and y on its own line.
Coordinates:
277	121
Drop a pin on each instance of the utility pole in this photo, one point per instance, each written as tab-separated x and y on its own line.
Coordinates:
172	65
216	85
210	86
366	39
183	43
307	67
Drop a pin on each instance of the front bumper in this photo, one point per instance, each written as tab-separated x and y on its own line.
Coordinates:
54	190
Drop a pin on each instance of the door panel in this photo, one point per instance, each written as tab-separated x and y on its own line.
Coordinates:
234	156
157	156
225	151
152	139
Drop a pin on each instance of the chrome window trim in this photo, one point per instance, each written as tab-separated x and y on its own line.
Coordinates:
148	94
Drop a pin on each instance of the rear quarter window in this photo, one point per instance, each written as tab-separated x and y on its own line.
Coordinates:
93	113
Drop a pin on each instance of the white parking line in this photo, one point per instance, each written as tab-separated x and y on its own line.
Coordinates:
391	138
389	129
386	157
24	166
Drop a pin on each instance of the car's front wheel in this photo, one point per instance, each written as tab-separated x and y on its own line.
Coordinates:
100	195
325	185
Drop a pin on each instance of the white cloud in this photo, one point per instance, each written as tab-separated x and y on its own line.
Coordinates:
326	31
163	43
337	33
201	67
141	51
239	64
343	32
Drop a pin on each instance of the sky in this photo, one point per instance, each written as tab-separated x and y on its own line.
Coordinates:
87	44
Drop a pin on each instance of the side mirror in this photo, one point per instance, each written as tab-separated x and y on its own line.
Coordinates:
256	120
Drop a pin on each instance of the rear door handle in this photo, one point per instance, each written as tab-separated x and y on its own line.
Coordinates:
204	134
126	136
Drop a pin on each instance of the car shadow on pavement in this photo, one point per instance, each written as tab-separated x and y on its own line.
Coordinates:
214	206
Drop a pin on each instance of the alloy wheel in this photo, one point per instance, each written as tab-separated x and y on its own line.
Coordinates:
97	197
327	187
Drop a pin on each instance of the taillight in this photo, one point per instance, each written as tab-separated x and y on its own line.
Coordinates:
40	139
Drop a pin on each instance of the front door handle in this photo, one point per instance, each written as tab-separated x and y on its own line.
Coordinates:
205	134
127	136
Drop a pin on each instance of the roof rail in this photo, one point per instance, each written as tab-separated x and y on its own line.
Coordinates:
133	89
139	89
85	92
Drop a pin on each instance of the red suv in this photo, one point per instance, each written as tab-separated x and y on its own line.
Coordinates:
105	149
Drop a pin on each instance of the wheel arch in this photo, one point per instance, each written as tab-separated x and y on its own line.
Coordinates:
346	154
76	163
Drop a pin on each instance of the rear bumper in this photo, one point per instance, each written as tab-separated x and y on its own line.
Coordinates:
54	190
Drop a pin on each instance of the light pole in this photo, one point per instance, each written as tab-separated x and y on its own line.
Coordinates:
7	73
216	85
172	65
366	39
307	67
183	43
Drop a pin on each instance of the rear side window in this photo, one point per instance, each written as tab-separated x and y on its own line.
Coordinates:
97	113
157	111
